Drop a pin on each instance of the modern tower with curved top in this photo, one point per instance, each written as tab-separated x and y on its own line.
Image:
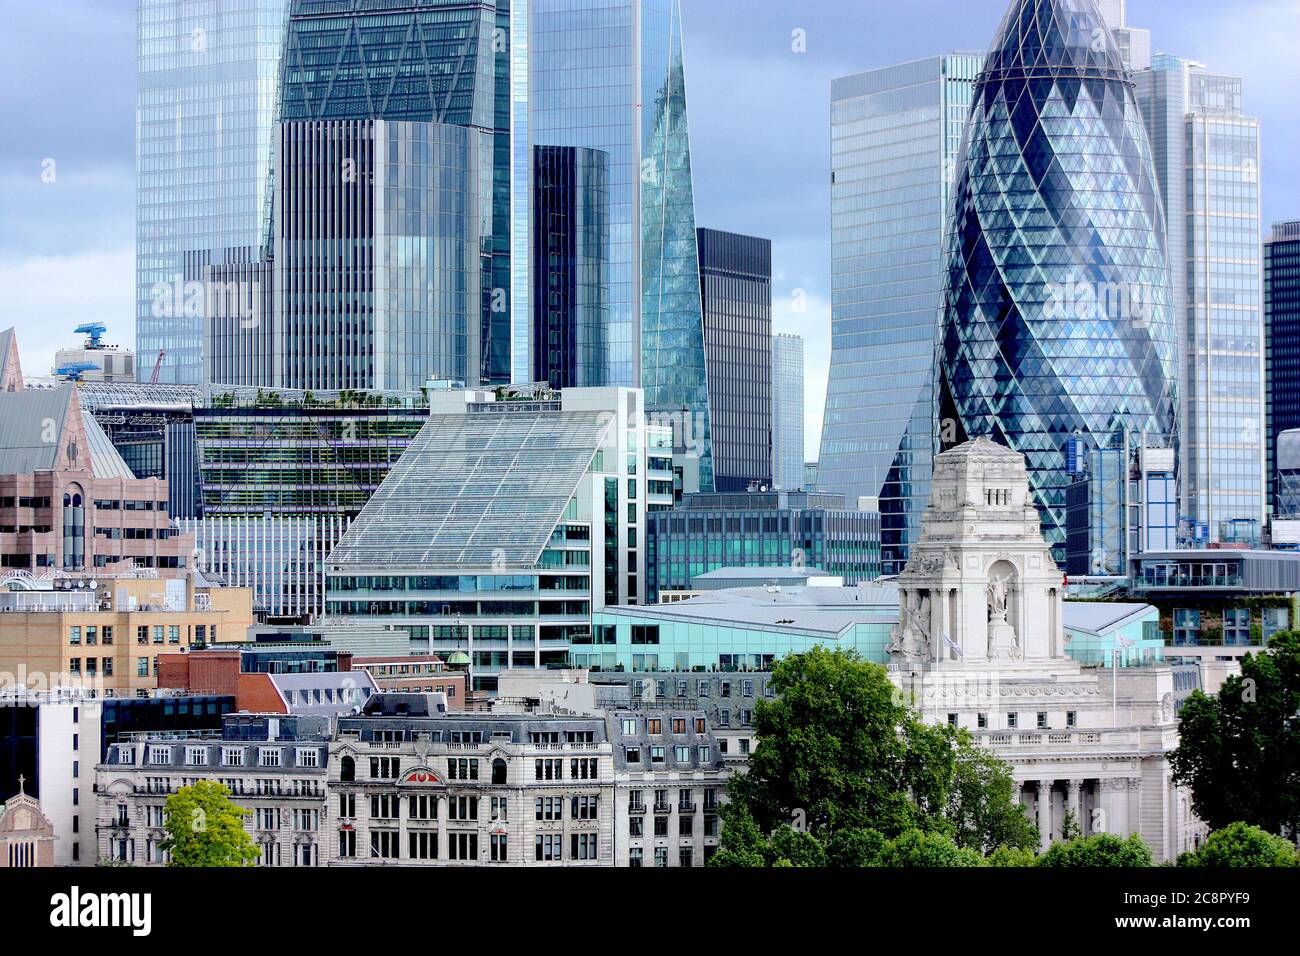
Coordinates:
1056	319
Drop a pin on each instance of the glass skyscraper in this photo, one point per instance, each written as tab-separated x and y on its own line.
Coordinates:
1207	164
609	75
736	281
787	413
1057	322
895	134
432	61
1282	345
205	94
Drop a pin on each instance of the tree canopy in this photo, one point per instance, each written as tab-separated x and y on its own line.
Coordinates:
840	753
204	828
1239	751
1241	844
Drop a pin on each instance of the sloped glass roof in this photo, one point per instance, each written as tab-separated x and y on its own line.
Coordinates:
476	491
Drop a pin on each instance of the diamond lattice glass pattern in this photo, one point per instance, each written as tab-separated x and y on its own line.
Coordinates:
1056	199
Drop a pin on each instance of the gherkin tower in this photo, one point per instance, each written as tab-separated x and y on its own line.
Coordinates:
1056	315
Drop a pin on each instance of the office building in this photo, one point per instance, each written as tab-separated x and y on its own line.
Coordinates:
509	520
1281	351
610	76
895	136
67	499
1057	321
413	786
281	475
706	532
1206	152
1219	598
438	62
1123	500
206	77
375	269
980	643
94	360
787	412
152	428
570	250
49	745
736	295
105	635
273	766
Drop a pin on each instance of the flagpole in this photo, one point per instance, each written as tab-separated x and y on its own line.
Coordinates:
1114	687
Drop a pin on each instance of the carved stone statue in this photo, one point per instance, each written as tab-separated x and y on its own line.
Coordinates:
1003	642
910	643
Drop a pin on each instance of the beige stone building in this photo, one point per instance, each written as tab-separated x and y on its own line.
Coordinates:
105	633
980	644
26	835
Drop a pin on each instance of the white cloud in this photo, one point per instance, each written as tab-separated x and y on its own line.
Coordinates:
47	296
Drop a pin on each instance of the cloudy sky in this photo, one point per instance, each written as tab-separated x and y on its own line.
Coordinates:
758	112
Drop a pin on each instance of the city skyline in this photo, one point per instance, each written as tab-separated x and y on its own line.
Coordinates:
82	222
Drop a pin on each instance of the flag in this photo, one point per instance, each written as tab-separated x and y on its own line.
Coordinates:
949	643
1124	641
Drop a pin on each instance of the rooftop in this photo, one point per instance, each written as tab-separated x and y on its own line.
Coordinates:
475	491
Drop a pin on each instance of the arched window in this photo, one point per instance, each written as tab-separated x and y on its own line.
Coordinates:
348	769
498	771
74	530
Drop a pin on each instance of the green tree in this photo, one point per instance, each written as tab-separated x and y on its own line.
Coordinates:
204	828
1070	826
1100	850
918	848
1239	751
840	755
1008	856
1240	844
983	808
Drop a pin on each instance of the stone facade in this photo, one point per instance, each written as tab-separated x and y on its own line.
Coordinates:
26	834
980	644
273	766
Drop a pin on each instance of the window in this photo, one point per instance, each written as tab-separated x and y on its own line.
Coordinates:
383	844
686	856
347	769
196	756
654	726
74	635
499	809
462	768
747	688
952	720
268	757
498	772
548	808
584	808
549	846
629	727
1011	720
384	768
384	806
679	725
347	843
1071	718
661	826
661	856
308	757
682	754
462	846
142	667
347	805
635	826
656	754
499	848
632	754
582	846
462	808
1042	720
982	721
422	845
634	858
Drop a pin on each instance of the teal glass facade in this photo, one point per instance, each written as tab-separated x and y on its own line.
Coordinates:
895	135
205	93
1057	320
756	530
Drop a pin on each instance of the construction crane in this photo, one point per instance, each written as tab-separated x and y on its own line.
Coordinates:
157	367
